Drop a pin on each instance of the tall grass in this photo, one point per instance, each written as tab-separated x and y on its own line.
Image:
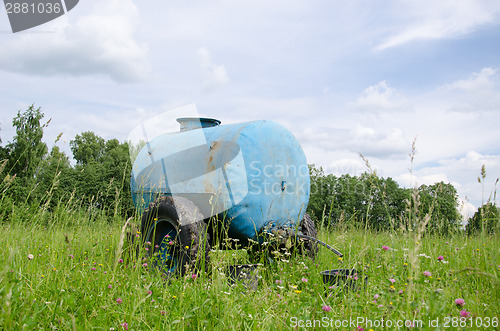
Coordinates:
66	270
71	268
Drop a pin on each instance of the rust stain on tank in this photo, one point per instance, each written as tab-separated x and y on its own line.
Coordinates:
208	181
214	149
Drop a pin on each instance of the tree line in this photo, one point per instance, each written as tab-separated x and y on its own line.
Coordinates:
34	176
377	203
31	175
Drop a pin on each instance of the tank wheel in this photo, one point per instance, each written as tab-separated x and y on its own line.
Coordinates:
176	236
307	247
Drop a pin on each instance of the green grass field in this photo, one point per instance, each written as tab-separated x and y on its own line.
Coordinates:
67	272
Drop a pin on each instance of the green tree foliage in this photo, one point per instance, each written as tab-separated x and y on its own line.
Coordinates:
486	218
103	172
27	149
4	152
363	200
440	200
348	198
56	179
30	175
25	153
384	201
320	192
378	203
87	147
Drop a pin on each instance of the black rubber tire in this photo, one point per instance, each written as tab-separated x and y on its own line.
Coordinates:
306	247
179	216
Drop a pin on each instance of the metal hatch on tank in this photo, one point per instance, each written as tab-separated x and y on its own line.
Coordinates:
252	175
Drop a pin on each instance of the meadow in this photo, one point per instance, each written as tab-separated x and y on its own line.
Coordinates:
69	262
70	269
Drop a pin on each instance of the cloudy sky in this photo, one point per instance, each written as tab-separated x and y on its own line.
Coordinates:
346	77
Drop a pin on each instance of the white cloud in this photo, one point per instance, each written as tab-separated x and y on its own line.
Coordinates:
359	139
412	180
462	173
213	75
378	143
478	93
466	209
474	161
381	97
477	82
341	166
431	20
101	42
